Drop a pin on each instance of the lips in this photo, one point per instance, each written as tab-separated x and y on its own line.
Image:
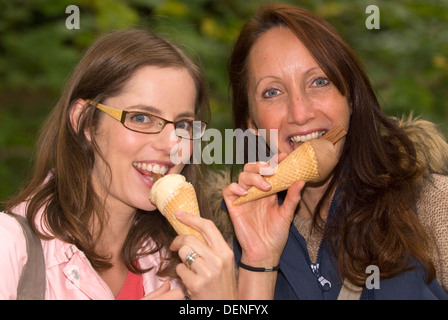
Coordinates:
301	138
148	169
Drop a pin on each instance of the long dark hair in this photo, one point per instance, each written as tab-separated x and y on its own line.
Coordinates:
377	171
67	195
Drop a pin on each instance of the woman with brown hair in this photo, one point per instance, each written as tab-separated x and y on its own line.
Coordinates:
292	72
132	99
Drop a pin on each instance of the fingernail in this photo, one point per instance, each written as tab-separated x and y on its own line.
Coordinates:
268	171
266	185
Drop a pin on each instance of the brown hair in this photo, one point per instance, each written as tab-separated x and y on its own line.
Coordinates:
67	196
377	172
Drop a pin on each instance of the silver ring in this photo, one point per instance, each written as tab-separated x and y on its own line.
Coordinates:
189	259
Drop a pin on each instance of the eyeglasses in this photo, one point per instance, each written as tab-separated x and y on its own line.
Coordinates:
143	122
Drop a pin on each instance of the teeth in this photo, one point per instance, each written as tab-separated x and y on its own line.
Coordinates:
304	138
155	168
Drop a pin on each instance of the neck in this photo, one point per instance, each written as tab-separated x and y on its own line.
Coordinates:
311	196
117	223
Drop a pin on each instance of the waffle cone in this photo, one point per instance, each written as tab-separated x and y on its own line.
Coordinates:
182	199
300	165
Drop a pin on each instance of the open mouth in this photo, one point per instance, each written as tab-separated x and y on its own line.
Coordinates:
148	169
305	138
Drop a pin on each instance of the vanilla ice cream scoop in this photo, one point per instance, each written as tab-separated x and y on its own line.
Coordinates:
164	187
172	192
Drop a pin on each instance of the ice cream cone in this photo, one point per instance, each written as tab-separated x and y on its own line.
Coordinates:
313	161
180	196
301	164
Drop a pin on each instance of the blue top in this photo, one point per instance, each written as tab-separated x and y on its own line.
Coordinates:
299	278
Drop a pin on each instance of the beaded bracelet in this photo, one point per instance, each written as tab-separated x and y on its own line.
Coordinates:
256	269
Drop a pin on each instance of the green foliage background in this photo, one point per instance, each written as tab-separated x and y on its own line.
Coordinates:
407	59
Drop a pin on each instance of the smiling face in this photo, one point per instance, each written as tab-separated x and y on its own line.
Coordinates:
133	157
288	91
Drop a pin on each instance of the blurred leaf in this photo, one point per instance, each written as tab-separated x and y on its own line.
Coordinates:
173	9
115	14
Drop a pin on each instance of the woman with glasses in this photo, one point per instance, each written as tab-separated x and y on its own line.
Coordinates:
133	103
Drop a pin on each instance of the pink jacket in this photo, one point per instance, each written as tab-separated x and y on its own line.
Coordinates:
69	273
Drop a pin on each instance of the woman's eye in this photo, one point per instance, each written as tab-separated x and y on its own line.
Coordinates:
321	82
140	118
271	93
183	125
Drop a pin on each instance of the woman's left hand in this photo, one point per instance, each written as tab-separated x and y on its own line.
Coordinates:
212	273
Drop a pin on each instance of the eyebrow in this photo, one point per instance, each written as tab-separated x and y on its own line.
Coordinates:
314	69
307	72
156	111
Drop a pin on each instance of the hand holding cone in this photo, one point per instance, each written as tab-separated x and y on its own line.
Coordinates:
173	193
312	161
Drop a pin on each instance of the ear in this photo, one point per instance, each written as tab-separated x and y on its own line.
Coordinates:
76	112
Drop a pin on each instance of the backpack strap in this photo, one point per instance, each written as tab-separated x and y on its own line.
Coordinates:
32	280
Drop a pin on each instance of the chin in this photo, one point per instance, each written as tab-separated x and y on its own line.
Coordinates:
144	204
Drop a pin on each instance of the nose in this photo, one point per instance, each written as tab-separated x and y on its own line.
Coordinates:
178	149
300	108
166	139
